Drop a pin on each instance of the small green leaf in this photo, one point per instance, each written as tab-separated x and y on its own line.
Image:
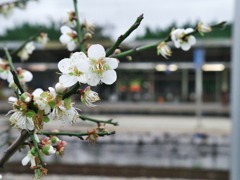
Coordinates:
46	119
52	104
30	113
67	100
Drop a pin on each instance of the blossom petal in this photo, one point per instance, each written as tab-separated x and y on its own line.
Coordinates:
65	29
67	80
109	77
78	56
177	44
185	46
93	79
82	78
29	124
65	65
188	30
112	62
37	92
4	75
65	39
83	65
12	99
26	160
96	52
27	76
191	40
71	46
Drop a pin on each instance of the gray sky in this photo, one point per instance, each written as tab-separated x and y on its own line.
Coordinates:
122	13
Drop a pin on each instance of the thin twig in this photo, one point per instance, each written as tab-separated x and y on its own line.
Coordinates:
154	45
98	121
37	149
74	134
32	38
125	35
79	30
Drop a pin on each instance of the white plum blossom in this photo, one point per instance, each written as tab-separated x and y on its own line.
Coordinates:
73	69
45	100
164	49
23	76
4	69
21	121
203	28
102	68
20	118
7	9
88	97
69	18
43	38
30	158
89	27
179	40
65	112
26	51
68	38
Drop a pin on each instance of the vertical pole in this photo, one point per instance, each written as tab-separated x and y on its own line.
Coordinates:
198	91
198	59
235	97
184	84
218	89
151	88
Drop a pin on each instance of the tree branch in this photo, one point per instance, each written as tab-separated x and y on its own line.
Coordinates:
14	147
72	90
73	134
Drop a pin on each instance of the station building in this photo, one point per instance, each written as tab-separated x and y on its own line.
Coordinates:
148	77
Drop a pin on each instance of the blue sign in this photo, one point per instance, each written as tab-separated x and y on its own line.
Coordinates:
198	57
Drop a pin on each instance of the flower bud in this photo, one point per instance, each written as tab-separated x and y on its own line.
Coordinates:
48	150
164	49
129	58
117	51
33	151
87	36
54	139
46	141
60	88
26	97
203	28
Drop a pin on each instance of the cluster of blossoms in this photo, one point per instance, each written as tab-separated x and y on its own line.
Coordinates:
92	70
182	38
47	146
49	104
7	8
28	49
5	74
69	37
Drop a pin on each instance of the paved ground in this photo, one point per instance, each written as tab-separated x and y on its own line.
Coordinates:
150	123
62	177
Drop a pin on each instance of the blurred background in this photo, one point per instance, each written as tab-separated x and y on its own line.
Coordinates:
173	114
